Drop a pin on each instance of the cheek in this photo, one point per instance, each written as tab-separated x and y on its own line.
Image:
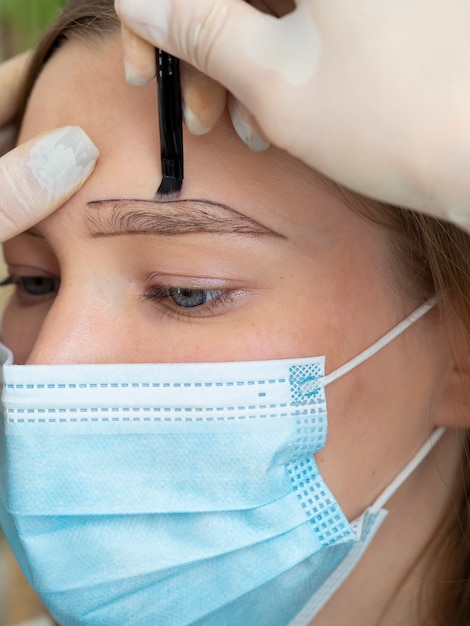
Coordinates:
20	328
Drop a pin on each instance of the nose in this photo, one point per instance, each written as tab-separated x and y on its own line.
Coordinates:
85	325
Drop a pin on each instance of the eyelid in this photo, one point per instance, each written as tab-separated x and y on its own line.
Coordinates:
193	282
18	269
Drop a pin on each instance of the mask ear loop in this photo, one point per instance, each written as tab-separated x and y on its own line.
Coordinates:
389	491
310	387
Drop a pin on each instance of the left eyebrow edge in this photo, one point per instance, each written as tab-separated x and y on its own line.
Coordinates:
173	217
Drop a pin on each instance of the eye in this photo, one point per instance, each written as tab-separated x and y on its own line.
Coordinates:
189	301
32	287
190	298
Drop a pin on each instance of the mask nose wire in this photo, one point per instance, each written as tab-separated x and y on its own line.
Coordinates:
310	387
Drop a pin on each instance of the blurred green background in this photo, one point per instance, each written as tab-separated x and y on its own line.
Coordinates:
21	21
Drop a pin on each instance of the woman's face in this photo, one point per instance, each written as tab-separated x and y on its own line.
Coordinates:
256	259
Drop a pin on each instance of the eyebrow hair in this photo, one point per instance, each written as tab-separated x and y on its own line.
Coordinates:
169	217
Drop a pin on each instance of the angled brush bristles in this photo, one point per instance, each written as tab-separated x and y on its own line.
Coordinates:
169	187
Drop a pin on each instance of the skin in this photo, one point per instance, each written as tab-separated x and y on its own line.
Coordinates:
323	284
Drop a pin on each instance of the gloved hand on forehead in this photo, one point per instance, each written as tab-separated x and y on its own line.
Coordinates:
373	94
39	176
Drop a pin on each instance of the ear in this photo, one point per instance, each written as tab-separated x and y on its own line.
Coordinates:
453	410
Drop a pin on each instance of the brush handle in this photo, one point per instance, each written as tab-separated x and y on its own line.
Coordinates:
170	115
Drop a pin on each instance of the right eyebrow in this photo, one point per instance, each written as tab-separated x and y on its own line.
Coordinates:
111	218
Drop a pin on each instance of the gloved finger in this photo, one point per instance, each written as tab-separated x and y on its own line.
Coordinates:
462	220
188	30
139	58
246	126
203	100
39	176
12	73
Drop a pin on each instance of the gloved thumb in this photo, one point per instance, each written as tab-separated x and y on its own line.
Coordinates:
39	176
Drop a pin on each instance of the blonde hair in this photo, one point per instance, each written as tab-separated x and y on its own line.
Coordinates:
431	257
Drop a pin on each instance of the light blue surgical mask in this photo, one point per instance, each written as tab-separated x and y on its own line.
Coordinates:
178	494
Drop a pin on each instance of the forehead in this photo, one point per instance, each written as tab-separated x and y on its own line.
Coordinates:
83	84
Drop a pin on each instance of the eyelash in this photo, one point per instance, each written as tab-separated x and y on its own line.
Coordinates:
36	289
213	300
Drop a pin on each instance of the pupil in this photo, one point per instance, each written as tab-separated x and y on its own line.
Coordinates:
188	297
38	286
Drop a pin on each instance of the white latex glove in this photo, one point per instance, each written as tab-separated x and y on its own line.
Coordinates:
374	94
204	99
39	176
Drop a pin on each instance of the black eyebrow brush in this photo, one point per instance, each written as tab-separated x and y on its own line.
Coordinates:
170	111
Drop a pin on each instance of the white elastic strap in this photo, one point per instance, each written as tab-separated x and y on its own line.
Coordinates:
378	345
389	491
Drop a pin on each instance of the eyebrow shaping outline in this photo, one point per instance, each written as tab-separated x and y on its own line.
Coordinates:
111	218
